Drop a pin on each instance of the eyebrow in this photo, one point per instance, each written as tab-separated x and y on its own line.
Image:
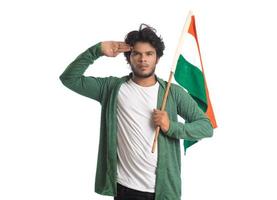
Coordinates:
143	52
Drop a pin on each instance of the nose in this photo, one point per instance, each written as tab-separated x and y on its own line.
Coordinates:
142	58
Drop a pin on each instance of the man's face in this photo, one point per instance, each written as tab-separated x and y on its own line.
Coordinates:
143	59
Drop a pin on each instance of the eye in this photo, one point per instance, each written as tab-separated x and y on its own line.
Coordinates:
134	53
150	53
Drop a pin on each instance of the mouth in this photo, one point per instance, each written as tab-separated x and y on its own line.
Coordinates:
143	66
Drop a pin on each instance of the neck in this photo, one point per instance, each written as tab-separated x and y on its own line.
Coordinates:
145	82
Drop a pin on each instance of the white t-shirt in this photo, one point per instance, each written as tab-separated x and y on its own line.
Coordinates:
137	165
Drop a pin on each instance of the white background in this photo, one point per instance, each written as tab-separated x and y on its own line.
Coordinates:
49	134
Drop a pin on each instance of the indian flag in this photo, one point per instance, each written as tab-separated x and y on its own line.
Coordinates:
189	72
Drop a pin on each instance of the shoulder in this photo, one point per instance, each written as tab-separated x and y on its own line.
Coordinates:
178	91
113	81
175	89
110	82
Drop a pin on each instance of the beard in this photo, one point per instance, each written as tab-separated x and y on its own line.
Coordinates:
141	74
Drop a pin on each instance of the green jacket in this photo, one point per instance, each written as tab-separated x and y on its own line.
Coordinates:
105	90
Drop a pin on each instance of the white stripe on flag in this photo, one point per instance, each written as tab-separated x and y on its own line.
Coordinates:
190	51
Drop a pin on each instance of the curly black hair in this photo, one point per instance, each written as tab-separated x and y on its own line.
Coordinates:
144	34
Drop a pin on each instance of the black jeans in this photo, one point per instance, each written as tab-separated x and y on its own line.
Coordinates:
124	193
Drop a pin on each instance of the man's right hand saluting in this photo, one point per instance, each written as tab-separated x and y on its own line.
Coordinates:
112	48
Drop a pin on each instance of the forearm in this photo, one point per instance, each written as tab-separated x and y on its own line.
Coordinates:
192	131
196	126
74	79
77	68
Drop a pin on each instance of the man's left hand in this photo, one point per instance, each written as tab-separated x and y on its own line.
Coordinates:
160	118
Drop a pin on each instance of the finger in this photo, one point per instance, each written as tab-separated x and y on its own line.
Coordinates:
121	50
156	118
121	44
123	47
156	110
157	114
115	54
156	123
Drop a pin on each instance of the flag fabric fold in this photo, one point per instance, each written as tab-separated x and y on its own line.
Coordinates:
189	71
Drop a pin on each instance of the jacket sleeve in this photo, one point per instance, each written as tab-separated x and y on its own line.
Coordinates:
197	125
74	79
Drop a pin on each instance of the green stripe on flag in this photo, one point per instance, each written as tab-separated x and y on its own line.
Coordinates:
187	144
191	78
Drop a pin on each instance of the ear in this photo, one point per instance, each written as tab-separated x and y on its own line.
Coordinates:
157	60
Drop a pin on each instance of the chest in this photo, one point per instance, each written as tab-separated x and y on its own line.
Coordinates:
135	98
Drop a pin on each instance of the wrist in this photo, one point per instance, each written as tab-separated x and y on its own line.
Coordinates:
166	128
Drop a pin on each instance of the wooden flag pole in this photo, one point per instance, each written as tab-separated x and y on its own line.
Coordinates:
157	130
175	60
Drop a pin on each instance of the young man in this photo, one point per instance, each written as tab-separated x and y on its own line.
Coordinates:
126	168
